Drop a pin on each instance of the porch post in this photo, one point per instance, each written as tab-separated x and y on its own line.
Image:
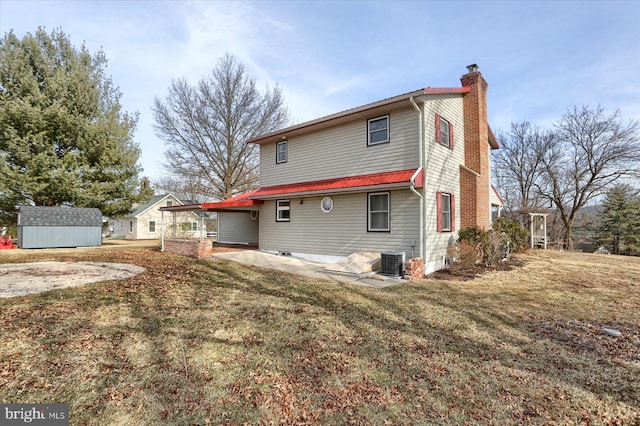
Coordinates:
161	230
202	230
545	231
174	224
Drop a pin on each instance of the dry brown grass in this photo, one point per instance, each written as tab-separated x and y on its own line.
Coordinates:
197	342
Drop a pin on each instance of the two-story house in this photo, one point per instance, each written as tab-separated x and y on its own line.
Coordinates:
403	174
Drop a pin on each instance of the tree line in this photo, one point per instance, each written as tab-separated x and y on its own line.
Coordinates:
586	154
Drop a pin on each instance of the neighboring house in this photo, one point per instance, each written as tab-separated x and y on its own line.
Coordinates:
145	222
403	174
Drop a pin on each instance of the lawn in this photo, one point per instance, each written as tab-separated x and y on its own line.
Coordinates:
215	342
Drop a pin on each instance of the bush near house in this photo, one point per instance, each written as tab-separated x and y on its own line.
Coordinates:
475	245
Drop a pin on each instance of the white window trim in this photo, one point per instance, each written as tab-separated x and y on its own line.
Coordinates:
369	143
448	138
189	226
154	226
329	201
286	152
445	196
281	209
369	212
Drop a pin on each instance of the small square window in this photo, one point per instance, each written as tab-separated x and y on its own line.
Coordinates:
281	152
378	212
169	203
378	130
283	210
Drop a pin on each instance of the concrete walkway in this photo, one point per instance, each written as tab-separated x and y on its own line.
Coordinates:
298	266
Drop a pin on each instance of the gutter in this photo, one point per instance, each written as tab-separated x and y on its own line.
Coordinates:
417	172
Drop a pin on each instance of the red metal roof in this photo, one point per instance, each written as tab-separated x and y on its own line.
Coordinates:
241	200
397	179
387	180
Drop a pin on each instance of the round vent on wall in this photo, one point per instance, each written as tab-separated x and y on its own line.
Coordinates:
254	214
326	204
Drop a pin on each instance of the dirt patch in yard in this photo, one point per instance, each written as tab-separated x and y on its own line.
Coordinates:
19	279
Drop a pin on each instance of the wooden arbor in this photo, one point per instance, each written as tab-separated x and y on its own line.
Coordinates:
538	230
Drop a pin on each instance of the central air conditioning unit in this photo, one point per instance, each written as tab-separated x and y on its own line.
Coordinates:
392	263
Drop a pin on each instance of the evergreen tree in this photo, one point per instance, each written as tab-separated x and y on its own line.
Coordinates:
619	229
64	139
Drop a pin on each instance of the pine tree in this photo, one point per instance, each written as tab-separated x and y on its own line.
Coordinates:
64	139
619	229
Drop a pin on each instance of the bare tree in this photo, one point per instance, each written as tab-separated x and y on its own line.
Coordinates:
518	168
181	187
205	128
590	152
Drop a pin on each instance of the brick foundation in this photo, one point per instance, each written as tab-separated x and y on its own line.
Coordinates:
191	248
414	269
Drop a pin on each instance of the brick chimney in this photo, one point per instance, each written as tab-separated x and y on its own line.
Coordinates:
475	206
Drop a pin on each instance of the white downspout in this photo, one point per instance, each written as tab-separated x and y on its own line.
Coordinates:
417	172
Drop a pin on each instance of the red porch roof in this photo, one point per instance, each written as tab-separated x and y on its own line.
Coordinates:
397	179
241	200
387	180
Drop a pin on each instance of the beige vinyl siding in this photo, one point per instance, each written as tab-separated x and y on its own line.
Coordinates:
442	173
342	151
237	227
343	230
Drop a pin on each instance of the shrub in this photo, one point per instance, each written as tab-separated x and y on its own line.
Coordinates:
473	235
518	237
505	237
464	257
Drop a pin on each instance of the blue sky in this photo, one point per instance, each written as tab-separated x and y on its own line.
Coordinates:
539	57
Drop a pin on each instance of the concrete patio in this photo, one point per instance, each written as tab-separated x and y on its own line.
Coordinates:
294	265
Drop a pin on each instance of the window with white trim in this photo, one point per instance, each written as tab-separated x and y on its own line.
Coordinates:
169	203
283	210
130	226
326	205
189	226
152	226
444	132
378	212
281	152
445	206
378	130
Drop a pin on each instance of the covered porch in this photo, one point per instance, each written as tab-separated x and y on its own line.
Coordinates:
237	226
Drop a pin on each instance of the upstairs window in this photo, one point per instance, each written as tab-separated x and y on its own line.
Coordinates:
444	132
378	130
281	152
283	210
445	212
378	217
169	203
